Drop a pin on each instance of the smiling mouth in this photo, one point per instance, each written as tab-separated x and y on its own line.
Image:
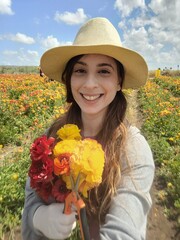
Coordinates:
91	97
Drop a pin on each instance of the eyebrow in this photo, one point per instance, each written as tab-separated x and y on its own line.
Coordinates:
99	65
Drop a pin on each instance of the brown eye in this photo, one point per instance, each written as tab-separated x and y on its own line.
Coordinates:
104	71
80	71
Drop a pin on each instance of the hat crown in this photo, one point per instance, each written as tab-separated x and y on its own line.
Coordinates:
97	31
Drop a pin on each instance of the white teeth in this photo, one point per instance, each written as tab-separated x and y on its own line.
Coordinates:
91	98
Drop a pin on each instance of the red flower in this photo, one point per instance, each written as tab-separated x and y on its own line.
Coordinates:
43	189
59	190
61	164
41	147
41	170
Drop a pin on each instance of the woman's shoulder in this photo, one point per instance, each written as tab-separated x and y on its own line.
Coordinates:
135	137
133	131
137	148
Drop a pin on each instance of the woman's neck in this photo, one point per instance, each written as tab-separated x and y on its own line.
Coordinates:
91	125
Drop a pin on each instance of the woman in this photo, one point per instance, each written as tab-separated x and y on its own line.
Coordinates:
94	70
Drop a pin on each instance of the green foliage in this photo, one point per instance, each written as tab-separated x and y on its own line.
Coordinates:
13	173
18	69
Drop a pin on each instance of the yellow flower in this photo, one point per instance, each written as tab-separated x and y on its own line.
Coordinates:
20	150
88	160
162	195
69	131
62	111
169	185
66	146
165	112
171	139
15	176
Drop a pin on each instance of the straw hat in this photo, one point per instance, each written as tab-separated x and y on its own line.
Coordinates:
97	36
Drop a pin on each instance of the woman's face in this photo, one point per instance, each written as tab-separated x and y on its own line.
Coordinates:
94	83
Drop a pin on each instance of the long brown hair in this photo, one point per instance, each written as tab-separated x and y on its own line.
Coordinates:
111	136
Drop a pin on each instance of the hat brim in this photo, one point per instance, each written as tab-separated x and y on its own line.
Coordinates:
53	62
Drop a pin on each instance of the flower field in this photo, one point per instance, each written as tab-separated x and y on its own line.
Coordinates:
27	106
160	106
27	102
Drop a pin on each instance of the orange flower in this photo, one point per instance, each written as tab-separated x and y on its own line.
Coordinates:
61	164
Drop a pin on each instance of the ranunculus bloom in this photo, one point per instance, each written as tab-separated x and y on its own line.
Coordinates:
41	170
88	161
41	147
69	132
61	164
59	191
66	146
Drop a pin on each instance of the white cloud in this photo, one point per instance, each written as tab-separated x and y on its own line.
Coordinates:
18	37
51	42
142	20
126	7
167	13
5	7
167	59
138	40
161	36
153	32
28	56
20	57
71	18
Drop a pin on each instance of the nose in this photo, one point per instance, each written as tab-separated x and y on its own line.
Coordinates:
91	81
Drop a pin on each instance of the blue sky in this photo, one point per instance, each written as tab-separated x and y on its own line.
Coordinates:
29	28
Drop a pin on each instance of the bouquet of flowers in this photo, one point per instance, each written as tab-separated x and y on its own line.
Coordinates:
55	163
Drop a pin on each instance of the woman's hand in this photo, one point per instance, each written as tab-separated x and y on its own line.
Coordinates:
52	223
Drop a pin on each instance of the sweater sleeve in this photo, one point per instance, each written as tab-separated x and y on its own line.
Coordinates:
127	217
32	202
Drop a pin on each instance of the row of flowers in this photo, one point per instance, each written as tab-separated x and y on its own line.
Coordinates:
169	83
161	110
160	106
27	102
